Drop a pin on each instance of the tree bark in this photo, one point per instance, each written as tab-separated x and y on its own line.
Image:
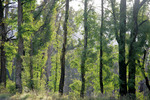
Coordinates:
101	48
132	48
83	58
132	52
121	45
122	65
62	60
48	65
55	82
31	65
20	49
3	39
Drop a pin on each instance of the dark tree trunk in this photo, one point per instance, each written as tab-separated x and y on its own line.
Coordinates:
3	39
83	58
132	48
121	45
20	49
101	48
62	59
143	71
31	65
122	65
132	51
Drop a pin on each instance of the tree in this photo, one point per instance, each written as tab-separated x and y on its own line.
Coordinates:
121	42
62	59
83	58
20	49
3	40
132	48
57	49
101	48
31	64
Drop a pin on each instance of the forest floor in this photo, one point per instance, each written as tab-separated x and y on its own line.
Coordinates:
43	95
48	96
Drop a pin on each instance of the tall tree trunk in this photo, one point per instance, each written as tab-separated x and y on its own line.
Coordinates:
122	65
20	49
132	52
56	69
3	39
132	48
101	48
83	59
48	65
55	82
62	60
31	65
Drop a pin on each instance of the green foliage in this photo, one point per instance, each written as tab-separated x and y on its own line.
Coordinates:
76	86
11	87
43	27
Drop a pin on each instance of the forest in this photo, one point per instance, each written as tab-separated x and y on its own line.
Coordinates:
74	49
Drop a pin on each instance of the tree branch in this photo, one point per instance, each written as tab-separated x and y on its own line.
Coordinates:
115	22
142	69
9	4
142	3
8	39
142	22
127	63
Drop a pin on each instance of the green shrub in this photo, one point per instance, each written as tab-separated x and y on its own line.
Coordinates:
11	88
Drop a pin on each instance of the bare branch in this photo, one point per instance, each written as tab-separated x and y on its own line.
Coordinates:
9	4
8	39
142	3
143	22
115	21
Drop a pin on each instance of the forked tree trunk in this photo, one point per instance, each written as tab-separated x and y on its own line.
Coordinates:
132	48
62	59
131	81
121	44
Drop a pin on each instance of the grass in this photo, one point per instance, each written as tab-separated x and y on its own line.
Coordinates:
43	95
34	95
49	96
